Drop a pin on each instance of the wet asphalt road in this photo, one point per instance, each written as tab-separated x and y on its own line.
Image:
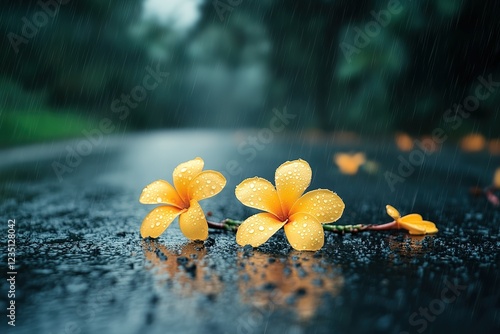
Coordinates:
83	268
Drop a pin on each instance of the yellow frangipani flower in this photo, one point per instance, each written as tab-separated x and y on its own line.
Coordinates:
285	206
191	184
413	222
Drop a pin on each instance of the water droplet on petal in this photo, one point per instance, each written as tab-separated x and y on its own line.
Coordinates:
251	230
183	170
158	199
261	228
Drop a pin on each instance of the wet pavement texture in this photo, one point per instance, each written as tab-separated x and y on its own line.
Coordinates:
83	267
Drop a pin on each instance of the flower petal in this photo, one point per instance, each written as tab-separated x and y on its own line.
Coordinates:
412	217
206	184
260	194
419	227
412	228
323	204
430	227
257	229
305	232
193	222
158	220
392	211
161	191
292	179
184	173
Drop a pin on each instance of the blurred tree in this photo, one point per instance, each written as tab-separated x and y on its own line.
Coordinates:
260	55
410	73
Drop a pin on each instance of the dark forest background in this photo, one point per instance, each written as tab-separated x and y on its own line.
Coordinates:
231	62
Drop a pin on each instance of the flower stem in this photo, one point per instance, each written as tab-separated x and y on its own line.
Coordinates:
345	228
383	227
226	224
232	225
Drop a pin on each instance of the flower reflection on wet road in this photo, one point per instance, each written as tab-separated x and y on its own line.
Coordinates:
295	283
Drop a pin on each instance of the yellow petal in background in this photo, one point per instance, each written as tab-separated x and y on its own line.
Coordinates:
304	232
257	229
158	220
473	142
323	204
496	179
161	191
184	173
494	146
292	179
404	142
349	163
193	223
206	184
260	194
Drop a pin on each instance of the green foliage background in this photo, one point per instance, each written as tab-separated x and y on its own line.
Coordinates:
231	73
